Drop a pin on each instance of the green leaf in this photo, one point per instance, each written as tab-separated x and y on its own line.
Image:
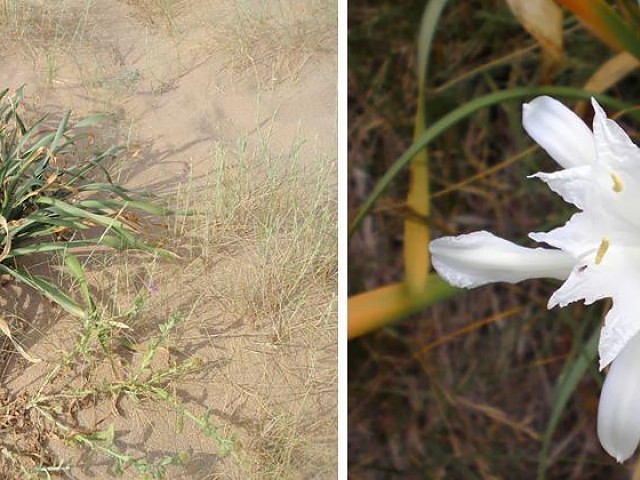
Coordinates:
125	204
26	136
106	187
92	120
568	381
62	128
428	26
35	225
65	209
48	289
74	267
52	247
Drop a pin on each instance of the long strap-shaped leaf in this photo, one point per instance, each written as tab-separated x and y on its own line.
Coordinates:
66	209
48	289
568	381
416	225
75	268
126	204
459	114
74	246
125	239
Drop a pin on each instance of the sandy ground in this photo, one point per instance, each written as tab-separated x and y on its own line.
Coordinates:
184	86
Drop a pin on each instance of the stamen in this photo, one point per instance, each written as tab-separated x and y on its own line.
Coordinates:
602	249
617	182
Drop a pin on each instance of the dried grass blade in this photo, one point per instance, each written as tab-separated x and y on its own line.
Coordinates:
605	23
7	238
543	20
4	328
608	74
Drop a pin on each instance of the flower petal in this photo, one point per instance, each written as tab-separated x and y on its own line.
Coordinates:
621	323
479	258
575	185
580	236
610	273
582	284
564	136
619	408
613	146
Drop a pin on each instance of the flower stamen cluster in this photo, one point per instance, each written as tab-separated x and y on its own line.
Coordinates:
602	249
617	182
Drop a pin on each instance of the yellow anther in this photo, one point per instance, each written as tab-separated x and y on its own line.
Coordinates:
617	182
602	249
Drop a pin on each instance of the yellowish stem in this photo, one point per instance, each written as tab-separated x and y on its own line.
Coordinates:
371	310
416	225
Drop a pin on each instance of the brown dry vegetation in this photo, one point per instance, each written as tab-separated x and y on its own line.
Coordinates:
221	363
464	389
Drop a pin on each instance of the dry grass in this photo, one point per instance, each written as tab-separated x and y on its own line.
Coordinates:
269	270
274	254
159	13
275	55
436	396
43	23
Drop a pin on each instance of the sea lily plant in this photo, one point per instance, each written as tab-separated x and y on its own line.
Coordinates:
57	198
596	253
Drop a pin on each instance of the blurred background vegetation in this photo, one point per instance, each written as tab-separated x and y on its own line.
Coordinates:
466	388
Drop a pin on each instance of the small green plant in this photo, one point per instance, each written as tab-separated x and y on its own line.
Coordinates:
50	203
134	382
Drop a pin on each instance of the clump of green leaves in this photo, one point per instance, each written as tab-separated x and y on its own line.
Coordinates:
50	201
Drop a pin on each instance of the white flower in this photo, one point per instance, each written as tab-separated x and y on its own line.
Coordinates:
618	419
596	253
